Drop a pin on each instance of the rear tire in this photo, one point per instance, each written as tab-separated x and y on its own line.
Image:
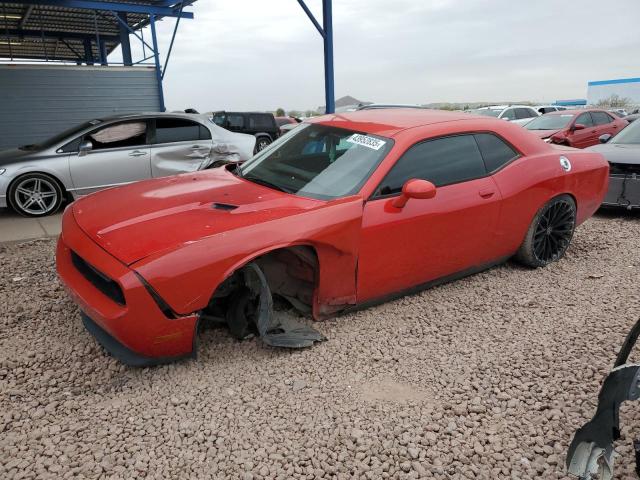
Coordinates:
35	195
550	233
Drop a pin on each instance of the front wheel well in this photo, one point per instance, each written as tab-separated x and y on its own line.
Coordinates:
291	272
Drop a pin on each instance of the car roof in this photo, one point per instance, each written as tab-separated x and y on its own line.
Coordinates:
390	121
575	111
503	107
129	116
391	105
242	113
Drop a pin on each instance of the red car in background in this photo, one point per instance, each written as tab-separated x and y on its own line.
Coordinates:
286	124
576	128
345	211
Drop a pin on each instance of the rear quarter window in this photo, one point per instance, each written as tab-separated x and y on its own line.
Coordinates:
495	151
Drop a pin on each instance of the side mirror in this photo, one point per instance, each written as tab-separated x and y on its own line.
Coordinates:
605	137
578	126
414	188
85	147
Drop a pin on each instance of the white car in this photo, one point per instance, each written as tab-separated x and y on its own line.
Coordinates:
518	114
542	109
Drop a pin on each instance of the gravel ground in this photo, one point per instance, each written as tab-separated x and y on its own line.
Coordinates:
485	378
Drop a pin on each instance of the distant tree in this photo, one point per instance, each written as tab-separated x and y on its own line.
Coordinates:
280	112
614	101
295	113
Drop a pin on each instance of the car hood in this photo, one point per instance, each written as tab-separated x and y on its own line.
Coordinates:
13	155
144	218
618	152
544	133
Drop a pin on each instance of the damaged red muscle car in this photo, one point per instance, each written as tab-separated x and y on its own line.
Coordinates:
345	211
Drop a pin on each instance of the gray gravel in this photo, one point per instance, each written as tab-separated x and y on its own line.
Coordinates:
483	378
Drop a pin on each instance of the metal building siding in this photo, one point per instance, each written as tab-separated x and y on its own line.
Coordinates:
624	87
38	101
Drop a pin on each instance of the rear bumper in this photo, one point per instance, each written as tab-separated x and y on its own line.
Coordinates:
137	332
624	191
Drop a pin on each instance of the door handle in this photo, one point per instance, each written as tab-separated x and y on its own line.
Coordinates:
198	147
486	193
137	153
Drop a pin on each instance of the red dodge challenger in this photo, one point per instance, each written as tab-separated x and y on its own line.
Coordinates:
345	211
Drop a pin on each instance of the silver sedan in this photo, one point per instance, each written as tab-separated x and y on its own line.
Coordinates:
35	179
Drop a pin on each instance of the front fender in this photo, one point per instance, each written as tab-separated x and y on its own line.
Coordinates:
187	276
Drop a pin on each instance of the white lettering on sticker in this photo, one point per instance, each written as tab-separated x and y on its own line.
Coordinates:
366	141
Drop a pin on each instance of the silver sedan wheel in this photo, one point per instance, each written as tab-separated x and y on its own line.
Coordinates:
36	196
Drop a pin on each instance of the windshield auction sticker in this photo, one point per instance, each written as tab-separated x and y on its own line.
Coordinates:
366	141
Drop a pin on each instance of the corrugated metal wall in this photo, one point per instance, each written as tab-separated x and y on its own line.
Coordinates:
38	101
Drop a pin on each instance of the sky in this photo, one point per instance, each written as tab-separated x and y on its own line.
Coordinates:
261	54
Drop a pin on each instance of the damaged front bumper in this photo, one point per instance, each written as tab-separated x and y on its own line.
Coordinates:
624	190
118	309
591	453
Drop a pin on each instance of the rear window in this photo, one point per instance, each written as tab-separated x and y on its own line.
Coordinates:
525	113
172	130
601	118
260	121
235	120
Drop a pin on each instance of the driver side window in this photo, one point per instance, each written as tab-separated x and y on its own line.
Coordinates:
442	161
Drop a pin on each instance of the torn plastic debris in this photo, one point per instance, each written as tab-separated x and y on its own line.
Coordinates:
253	306
591	453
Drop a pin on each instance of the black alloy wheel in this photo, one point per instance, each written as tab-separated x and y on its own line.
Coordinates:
554	231
550	233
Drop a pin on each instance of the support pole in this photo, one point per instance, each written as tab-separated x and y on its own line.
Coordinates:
156	54
327	22
124	40
88	51
103	52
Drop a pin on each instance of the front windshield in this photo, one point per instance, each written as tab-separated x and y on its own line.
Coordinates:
61	137
487	112
549	122
318	161
630	134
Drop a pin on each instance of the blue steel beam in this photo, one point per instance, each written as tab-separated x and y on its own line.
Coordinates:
160	11
125	44
173	37
16	32
327	22
326	31
311	17
127	27
156	54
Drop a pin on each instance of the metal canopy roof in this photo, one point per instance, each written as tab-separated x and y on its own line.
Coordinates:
57	29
